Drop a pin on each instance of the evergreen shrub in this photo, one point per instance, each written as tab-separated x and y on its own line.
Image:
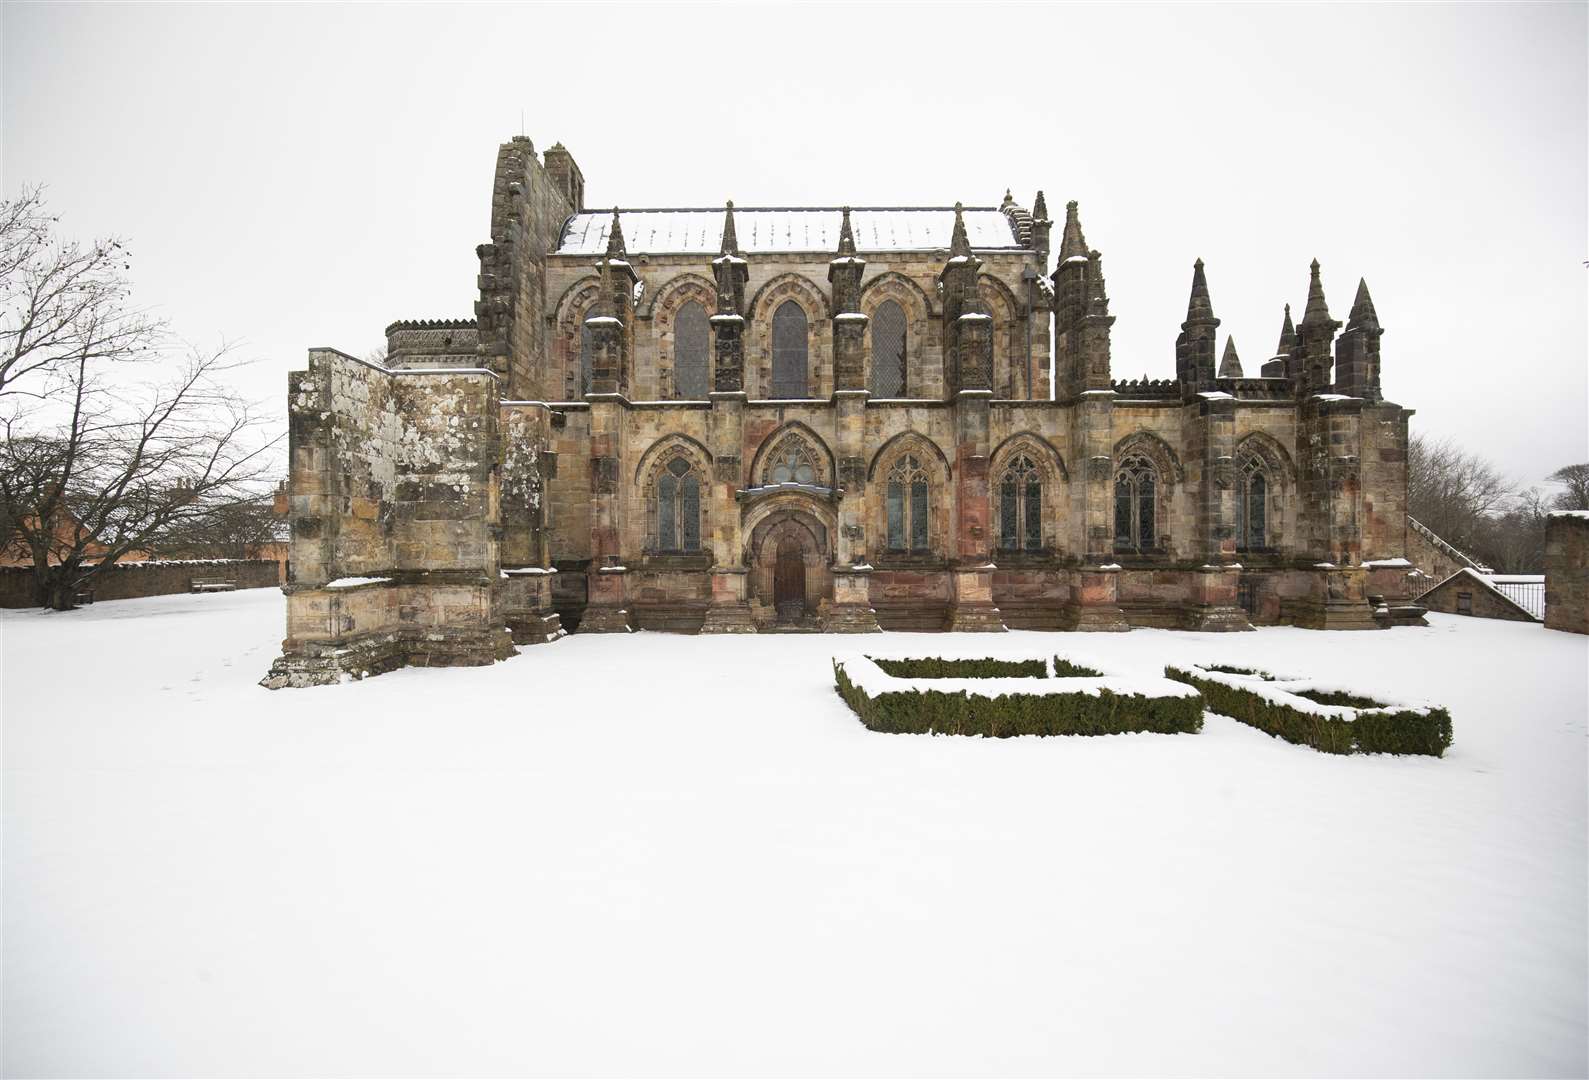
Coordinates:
1289	709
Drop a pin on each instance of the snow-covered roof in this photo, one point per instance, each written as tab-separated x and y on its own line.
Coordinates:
774	229
1526	592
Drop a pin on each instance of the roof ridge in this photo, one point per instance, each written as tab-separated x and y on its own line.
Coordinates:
738	209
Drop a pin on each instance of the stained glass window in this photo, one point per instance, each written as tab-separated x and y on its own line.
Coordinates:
789	351
888	350
1252	506
691	342
792	462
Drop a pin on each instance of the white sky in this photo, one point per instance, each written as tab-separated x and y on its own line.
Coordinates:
295	175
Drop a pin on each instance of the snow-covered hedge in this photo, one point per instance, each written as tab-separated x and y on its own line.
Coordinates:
1327	718
979	697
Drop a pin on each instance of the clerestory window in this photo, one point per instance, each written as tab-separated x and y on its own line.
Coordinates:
888	350
789	351
691	344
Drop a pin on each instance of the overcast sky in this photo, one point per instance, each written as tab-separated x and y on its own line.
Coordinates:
297	175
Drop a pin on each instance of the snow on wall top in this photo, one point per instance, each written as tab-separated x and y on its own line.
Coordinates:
764	229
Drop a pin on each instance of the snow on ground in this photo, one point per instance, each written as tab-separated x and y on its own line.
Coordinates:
684	856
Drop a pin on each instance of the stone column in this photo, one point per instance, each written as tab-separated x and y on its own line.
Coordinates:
852	601
730	610
971	606
607	610
1213	603
1095	594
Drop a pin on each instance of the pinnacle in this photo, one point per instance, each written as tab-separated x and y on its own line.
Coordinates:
615	247
846	235
1072	243
730	245
1230	363
1317	310
1288	336
1363	313
959	243
1200	308
1040	207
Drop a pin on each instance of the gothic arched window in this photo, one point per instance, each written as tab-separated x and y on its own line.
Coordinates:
691	342
1021	506
789	351
678	496
906	504
1252	506
1136	488
585	345
888	350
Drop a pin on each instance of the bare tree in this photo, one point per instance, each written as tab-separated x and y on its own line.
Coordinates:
1452	491
94	468
1575	479
62	302
127	470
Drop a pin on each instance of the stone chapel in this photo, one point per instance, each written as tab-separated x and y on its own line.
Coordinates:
761	419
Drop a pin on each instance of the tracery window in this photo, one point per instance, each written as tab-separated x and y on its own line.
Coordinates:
678	507
888	350
586	343
1136	488
691	343
792	462
1252	506
1021	506
789	351
906	505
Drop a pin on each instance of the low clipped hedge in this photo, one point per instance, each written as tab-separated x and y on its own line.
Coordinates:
931	667
1050	709
1271	707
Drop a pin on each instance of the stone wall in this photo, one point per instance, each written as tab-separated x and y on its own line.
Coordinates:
127	580
432	343
1567	572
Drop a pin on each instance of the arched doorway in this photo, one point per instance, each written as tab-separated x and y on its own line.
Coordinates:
789	581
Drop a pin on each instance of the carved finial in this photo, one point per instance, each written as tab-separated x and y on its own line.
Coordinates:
1009	200
846	235
1072	243
615	248
1230	363
1040	207
959	243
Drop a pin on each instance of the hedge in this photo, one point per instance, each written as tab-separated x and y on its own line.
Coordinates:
932	667
1278	707
1095	706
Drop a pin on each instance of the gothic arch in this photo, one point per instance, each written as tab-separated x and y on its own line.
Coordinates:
1041	450
900	444
819	334
671	297
1157	451
819	445
572	307
649	460
1267	449
892	285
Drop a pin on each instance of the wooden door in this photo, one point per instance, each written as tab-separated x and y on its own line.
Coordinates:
789	581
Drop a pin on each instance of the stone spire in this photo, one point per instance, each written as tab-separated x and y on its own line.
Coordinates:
730	245
959	243
1363	314
1072	242
1317	310
1097	288
1310	365
1275	366
1039	207
1200	308
1357	351
1230	363
1194	349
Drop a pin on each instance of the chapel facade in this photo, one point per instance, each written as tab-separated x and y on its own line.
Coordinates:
737	420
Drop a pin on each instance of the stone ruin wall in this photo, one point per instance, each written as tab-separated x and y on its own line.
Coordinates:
1567	572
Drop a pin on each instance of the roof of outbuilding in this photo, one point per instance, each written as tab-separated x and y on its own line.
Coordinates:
1525	592
779	229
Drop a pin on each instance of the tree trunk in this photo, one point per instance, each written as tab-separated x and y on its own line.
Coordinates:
56	588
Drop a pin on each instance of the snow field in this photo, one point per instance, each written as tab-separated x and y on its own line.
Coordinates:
685	856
